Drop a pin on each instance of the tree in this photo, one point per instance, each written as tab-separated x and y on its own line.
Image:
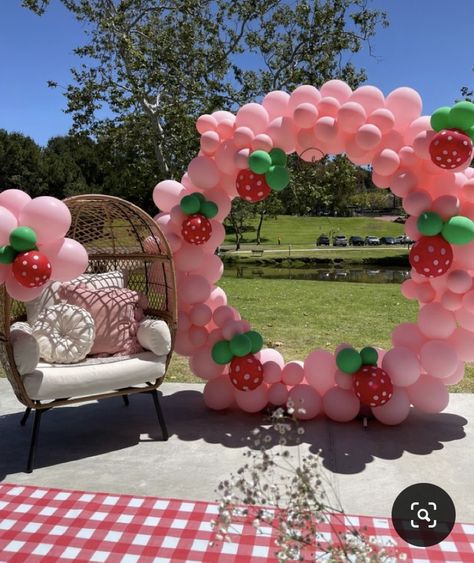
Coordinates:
241	212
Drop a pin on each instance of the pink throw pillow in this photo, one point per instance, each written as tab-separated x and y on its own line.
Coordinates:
116	313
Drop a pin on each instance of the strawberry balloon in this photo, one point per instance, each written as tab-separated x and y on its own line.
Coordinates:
450	148
372	385
31	269
431	256
252	187
196	229
246	372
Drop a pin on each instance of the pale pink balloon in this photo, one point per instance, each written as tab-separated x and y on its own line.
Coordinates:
368	136
341	405
219	393
383	119
336	89
468	301
343	380
167	194
20	292
273	364
438	358
223	115
305	115
409	289
351	116
402	366
429	394
386	162
393	140
198	336
8	222
14	200
277	104
202	365
459	281
464	255
408	158
176	216
421	144
319	368
243	137
435	322
369	97
203	172
217	298
223	202
463	342
241	158
325	129
182	345
216	239
225	158
425	293
49	217
419	125
262	142
201	314
271	355
252	401
396	410
446	206
228	185
211	268
468	190
456	377
278	394
306	401
381	181
188	258
305	94
328	107
215	334
283	134
451	301
405	104
223	315
174	241
209	142
408	335
206	123
233	327
411	228
67	257
184	321
417	202
465	319
293	373
194	289
225	128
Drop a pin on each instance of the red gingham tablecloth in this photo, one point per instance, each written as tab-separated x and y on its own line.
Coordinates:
42	524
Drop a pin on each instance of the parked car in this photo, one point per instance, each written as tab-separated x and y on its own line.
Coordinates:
322	240
356	241
387	240
339	240
403	239
372	241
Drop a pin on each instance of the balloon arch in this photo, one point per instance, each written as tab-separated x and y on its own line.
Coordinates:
423	159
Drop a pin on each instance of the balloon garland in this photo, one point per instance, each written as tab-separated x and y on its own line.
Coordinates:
424	160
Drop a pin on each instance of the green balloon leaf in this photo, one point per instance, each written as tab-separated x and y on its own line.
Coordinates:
259	162
190	204
429	223
458	230
199	195
278	157
440	118
461	116
277	177
369	356
256	340
240	345
209	209
221	352
23	239
349	360
7	254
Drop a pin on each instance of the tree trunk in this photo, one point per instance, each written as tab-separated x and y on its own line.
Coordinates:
259	227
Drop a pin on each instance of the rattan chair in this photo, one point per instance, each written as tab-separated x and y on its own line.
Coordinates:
118	237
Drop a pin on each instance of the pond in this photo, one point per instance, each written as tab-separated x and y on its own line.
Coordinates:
365	274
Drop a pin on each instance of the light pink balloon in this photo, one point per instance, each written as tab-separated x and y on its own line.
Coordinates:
417	202
429	394
201	314
463	342
343	380
396	410
468	190
216	239
241	158
188	258
19	292
223	115
233	327
305	398
435	322
167	194
262	142
421	144
252	401
217	298
8	222
174	241
176	216
271	355
336	89
425	293
393	140
293	373
411	228
243	137
282	132
369	97
368	136
276	103
182	345
223	202
451	301
464	255
49	217
468	301
305	94
198	336
211	268
402	366
351	116
446	206
215	334
408	158
202	365
438	358
225	128
383	119
328	107
403	183
419	125
459	281
205	123
386	162
271	372
194	289
409	289
456	377
67	257
203	172
381	181
319	368
278	394
465	319
14	200
210	141
184	321
305	115
225	157
341	405
405	104
219	393
325	129
224	314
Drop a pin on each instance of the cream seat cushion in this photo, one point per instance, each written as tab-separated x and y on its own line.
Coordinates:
92	377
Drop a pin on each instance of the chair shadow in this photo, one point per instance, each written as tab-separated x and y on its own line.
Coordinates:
77	432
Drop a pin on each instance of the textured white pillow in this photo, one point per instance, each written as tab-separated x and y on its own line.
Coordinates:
65	333
25	348
50	296
154	335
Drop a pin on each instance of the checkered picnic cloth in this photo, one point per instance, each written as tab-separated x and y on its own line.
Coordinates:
41	524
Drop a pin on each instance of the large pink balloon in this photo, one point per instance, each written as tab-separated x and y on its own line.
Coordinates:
293	373
446	206
8	222
459	281
188	258
383	119
48	217
202	365
319	368
464	255
167	194
368	136
252	401
435	322
405	104
203	172
182	345
417	202
305	94
205	123
463	342
14	200
325	129
278	394
451	301
19	292
305	115
394	411
254	116
217	298
429	394
243	137
456	376
262	142
211	268
386	162
351	116
341	405
209	142
369	97
282	131
306	401
438	358
194	289
223	315
277	104
336	89
402	366
219	393
68	259
342	380
328	107
198	336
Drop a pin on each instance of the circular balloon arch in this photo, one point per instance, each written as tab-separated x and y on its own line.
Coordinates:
423	159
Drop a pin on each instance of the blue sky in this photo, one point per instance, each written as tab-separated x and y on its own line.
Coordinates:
427	47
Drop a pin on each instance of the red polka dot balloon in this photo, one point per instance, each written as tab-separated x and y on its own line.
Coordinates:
196	229
450	148
252	187
246	372
431	256
31	269
372	385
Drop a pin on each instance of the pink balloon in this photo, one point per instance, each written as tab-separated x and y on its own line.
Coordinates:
167	194
393	140
210	141
201	314
174	241
217	298
184	321
368	136
305	115
217	237
319	368
225	158
68	259
219	393
271	372
202	365
262	142
394	411
408	158
417	202
405	104
252	401
215	335
419	125
283	134
341	405
468	301
421	144
188	258
369	97
409	289
19	292
325	129
402	366
411	228
254	116
231	328
306	400
328	107
463	342
176	216
459	281
182	345
293	373
241	158
428	394
351	116
451	301
381	181
271	355
336	89
342	380
203	172
438	358
465	319
205	123
243	137
386	162
464	255
48	217
225	128
211	268
456	377
468	190
8	222
278	394
14	200
224	314
446	206
305	94
383	119
198	336
276	104
194	289
223	202
435	322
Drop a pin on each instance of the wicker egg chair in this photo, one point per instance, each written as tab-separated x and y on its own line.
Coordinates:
118	237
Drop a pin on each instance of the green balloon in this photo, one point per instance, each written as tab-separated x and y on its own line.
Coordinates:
278	157
458	230
429	223
221	352
440	118
256	341
7	254
369	356
209	209
259	162
190	204
240	345
23	239
277	177
470	132
349	360
461	116
199	195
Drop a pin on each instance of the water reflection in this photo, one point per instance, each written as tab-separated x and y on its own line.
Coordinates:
354	274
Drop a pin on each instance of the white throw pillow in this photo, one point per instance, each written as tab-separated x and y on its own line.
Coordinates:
154	335
25	348
65	333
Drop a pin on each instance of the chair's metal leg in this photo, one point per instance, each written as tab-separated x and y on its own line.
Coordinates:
125	400
159	412
34	439
25	416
